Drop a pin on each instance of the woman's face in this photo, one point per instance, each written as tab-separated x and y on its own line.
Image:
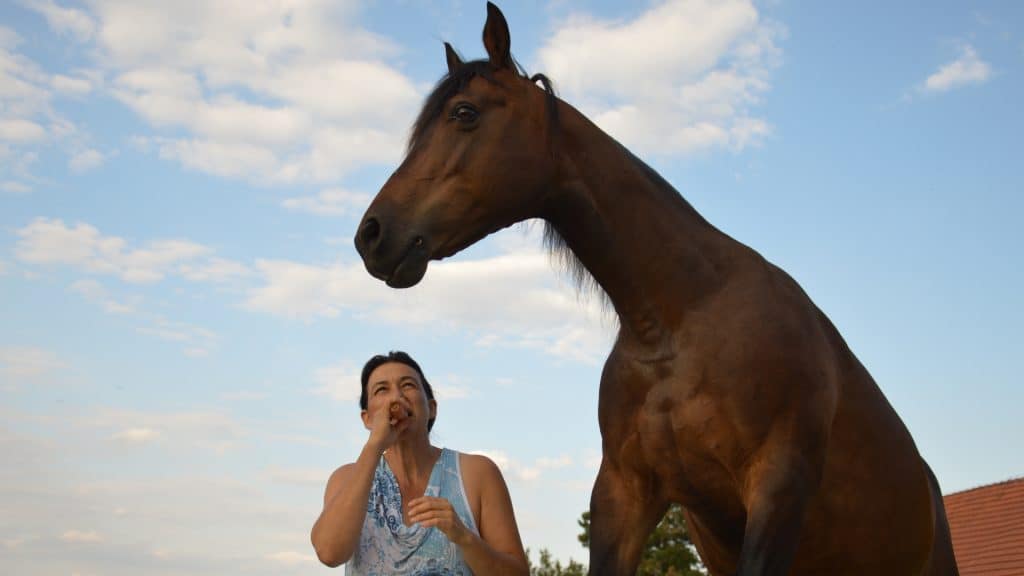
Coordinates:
395	383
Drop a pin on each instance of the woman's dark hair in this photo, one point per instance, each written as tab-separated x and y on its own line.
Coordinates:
401	358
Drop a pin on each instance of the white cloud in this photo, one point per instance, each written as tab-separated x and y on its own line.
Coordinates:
15	187
71	85
21	81
21	130
450	387
136	435
339	382
336	150
79	536
15	542
227	159
28	120
511	467
93	291
82	246
562	461
967	69
683	76
21	363
85	160
202	66
240	395
195	340
199	511
214	270
168	97
536	312
46	241
16	166
329	202
303	439
451	392
593	460
64	20
89	288
300	476
118	307
293	558
185	430
319	289
8	38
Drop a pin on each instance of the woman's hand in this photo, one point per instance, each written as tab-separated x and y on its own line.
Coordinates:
387	423
428	511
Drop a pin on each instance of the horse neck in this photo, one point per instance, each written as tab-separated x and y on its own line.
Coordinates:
650	251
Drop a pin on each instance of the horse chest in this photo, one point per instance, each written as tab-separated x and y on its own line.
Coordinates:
668	427
686	444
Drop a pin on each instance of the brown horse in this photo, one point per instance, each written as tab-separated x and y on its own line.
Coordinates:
727	389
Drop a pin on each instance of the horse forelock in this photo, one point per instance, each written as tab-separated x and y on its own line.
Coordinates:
454	82
449	85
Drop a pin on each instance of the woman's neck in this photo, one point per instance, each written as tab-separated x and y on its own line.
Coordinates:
411	460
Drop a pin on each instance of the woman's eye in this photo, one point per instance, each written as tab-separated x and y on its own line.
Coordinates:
464	114
409	384
379	390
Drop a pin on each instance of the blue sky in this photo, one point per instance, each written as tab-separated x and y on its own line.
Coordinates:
185	316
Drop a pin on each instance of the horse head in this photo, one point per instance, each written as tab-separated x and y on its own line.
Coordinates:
478	160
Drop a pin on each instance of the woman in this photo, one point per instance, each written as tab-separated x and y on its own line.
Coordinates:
407	507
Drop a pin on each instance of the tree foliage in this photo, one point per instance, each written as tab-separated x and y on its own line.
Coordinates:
669	551
549	567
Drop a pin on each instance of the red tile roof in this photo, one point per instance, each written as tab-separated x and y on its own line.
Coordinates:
987	525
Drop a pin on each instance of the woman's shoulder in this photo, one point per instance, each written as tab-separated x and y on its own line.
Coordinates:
342	472
339	478
478	468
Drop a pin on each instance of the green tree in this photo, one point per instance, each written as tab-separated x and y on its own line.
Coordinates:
548	567
669	550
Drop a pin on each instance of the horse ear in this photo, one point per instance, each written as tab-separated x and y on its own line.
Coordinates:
454	62
496	38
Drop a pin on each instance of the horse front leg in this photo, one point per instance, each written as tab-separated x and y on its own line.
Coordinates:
624	509
778	490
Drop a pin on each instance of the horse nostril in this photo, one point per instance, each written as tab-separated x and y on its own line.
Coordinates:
369	234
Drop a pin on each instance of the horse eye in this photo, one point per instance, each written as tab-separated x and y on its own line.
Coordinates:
464	113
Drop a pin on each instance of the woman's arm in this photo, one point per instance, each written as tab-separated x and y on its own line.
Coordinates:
335	534
498	549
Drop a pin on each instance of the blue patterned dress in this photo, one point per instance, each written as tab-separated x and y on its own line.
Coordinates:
388	547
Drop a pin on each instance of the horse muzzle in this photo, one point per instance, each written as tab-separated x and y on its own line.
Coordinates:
400	262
